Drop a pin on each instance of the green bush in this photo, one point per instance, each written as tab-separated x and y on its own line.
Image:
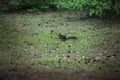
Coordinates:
92	7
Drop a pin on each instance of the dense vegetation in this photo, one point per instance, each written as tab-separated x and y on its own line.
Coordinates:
92	7
29	5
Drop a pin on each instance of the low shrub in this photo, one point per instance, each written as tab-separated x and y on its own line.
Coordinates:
29	5
99	8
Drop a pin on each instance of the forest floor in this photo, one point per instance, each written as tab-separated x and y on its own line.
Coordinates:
58	46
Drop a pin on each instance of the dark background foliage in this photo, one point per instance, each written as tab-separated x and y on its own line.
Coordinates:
99	8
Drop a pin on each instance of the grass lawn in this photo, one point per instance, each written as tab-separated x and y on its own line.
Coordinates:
30	48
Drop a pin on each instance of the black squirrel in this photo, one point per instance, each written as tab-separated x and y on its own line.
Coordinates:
64	38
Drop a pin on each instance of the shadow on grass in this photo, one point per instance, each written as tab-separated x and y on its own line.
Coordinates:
8	33
49	74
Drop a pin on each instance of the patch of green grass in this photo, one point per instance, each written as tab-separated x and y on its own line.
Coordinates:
28	38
